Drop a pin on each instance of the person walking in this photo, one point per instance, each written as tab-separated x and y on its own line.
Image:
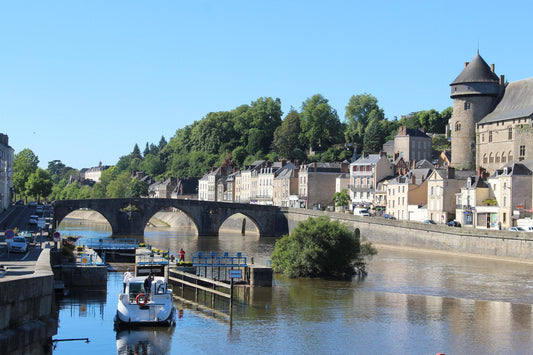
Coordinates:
182	254
126	279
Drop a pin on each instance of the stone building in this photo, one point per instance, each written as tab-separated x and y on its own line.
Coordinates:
94	173
7	155
506	133
412	144
316	183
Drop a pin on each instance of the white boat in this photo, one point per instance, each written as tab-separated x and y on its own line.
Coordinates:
140	306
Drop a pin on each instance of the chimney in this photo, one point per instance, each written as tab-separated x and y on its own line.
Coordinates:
466	63
344	168
492	66
413	179
451	173
283	162
502	80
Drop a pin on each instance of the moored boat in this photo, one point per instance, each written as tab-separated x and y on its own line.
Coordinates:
145	301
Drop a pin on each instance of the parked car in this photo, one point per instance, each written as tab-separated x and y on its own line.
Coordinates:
32	203
33	219
517	229
429	221
18	244
39	209
388	216
453	224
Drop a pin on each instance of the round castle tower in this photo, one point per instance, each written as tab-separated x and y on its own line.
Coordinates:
475	93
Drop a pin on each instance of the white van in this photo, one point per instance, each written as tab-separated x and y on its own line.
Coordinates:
360	212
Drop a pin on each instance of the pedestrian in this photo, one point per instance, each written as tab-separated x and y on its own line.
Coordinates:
148	284
127	277
182	254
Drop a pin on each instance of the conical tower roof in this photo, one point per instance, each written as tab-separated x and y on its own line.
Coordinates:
477	71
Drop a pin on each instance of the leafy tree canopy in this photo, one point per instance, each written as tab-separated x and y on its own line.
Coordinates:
361	110
320	124
319	247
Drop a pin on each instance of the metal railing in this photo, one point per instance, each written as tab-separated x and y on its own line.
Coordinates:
222	259
101	243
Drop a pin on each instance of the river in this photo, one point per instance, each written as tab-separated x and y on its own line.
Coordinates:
411	302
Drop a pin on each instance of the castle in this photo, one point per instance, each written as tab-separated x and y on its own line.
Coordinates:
492	120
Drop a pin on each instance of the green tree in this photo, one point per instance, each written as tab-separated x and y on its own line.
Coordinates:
361	110
256	125
342	199
374	137
137	188
117	188
287	136
320	124
39	184
319	247
24	164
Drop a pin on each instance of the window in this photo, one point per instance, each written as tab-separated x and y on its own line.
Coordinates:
510	133
482	137
485	158
490	136
497	157
504	158
522	151
491	159
457	126
510	155
467	105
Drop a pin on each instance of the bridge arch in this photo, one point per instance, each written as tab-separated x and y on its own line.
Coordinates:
129	216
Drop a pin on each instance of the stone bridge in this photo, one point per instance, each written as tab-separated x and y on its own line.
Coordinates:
129	216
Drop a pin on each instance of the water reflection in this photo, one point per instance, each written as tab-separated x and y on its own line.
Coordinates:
410	303
144	341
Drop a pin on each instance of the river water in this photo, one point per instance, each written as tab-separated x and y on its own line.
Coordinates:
411	302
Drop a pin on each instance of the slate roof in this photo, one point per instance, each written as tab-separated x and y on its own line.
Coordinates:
517	102
477	71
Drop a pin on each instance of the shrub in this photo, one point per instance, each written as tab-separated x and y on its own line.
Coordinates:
319	247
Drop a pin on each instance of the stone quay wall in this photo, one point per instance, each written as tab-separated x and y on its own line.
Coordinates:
378	230
27	310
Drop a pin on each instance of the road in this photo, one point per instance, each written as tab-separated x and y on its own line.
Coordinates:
17	217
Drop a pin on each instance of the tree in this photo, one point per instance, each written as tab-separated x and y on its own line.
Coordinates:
319	247
320	124
117	187
137	188
24	164
361	110
342	199
39	184
374	137
286	136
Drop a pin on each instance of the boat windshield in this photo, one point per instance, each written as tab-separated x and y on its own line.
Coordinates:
136	288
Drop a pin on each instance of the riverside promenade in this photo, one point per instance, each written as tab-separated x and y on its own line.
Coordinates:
28	318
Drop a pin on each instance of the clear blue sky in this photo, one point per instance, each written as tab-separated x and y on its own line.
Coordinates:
83	81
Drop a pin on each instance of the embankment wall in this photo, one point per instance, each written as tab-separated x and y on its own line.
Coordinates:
435	237
27	310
